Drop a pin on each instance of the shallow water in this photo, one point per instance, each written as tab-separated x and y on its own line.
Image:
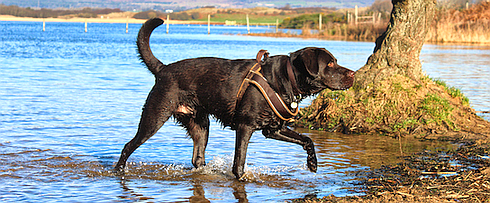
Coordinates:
71	100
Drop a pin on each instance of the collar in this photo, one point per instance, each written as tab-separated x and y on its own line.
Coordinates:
292	78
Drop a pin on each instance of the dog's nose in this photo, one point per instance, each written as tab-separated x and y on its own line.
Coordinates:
351	74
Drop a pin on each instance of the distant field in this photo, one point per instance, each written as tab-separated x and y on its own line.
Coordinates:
242	18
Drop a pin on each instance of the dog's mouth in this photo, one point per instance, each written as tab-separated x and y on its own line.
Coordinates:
349	79
344	82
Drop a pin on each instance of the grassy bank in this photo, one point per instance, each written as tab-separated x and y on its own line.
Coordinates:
397	106
470	25
335	31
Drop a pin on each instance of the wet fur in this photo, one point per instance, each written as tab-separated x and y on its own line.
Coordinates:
191	90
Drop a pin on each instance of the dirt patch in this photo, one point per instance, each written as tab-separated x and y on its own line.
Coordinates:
462	175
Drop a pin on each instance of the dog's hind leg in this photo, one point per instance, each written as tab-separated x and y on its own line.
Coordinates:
198	129
289	135
155	114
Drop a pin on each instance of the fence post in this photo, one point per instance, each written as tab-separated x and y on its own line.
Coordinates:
127	24
277	24
248	25
348	17
85	25
320	22
168	19
44	25
356	15
209	24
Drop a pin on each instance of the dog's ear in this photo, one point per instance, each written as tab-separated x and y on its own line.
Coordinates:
309	57
313	59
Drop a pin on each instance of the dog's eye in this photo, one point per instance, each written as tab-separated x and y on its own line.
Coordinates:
331	64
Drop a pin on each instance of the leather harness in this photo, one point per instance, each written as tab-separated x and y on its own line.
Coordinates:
273	99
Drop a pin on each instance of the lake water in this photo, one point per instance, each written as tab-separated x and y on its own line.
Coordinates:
70	100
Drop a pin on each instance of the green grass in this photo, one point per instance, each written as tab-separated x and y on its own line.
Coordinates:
439	109
404	124
454	92
311	20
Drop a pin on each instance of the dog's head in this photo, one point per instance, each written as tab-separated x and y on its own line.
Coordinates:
322	69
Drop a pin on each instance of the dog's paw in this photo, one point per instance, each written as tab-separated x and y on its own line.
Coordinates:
311	162
118	171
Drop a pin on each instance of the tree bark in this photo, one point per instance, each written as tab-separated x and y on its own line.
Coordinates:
398	48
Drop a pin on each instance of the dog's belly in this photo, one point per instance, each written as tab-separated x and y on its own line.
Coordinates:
184	109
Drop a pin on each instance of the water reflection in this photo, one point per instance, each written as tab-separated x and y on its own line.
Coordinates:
353	151
130	194
198	194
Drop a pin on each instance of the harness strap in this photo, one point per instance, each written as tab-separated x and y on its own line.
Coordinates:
273	99
255	69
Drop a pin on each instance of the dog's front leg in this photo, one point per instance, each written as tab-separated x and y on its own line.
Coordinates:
289	135
243	135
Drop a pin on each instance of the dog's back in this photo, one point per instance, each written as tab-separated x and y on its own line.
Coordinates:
207	85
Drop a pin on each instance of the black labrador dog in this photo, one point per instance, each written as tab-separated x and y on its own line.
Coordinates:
193	89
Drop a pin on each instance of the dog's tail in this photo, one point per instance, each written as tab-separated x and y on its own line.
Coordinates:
143	42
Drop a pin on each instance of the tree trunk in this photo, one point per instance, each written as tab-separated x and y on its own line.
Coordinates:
398	48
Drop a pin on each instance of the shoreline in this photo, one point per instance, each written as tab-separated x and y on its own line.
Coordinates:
93	20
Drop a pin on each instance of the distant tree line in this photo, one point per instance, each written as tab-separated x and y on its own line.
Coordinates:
53	13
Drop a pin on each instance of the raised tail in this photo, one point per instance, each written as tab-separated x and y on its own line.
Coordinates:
143	42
